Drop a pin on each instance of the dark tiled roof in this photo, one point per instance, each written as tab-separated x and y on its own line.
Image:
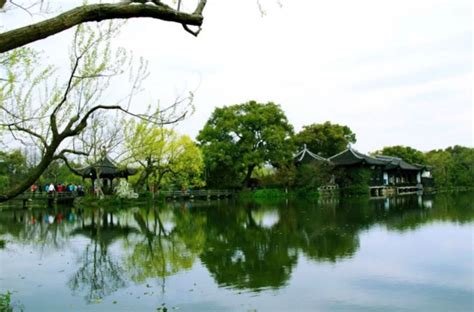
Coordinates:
107	168
395	162
353	157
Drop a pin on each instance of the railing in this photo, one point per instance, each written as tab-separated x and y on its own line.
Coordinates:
197	194
45	195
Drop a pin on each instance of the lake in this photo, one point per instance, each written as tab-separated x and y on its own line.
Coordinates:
410	253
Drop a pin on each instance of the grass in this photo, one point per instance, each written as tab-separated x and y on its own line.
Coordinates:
5	302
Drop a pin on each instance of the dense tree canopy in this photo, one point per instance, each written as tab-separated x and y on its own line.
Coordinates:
453	166
406	153
325	139
239	138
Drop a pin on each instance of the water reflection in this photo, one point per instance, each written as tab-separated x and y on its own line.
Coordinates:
246	246
170	241
99	274
244	254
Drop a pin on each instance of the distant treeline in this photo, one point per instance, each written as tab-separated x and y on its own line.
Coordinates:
249	145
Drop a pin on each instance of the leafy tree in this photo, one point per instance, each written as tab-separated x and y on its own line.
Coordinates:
58	172
99	12
325	139
237	139
463	159
313	175
281	177
38	111
353	182
164	156
453	166
13	168
406	153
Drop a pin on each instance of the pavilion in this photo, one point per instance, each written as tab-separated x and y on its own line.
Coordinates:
107	171
386	171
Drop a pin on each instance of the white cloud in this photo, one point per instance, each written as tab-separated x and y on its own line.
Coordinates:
396	72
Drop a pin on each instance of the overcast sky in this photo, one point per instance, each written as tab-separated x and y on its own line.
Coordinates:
396	72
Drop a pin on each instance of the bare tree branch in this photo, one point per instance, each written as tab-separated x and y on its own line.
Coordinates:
68	165
15	127
54	126
200	8
95	13
192	32
18	6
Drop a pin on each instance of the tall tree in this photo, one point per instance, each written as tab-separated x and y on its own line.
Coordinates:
37	110
325	139
99	12
406	153
236	139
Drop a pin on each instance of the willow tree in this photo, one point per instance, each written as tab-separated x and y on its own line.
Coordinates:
164	156
38	109
127	9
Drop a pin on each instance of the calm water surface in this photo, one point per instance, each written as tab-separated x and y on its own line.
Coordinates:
403	254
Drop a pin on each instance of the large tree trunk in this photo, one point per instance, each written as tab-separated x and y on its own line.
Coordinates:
145	174
34	175
248	175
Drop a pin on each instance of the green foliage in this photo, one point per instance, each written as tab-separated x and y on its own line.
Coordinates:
161	253
313	175
57	172
13	168
5	302
452	167
239	138
406	153
354	181
269	193
165	158
325	139
311	195
46	111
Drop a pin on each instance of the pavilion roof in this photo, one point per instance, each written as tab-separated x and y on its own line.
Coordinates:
107	168
352	157
395	162
305	155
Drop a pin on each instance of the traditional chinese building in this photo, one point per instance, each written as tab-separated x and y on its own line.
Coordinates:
106	171
387	174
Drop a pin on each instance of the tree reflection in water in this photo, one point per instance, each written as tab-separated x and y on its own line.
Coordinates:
170	241
99	273
242	254
246	246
